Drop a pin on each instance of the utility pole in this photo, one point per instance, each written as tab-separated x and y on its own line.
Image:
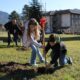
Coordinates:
45	7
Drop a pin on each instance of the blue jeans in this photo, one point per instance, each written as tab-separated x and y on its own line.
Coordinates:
63	59
35	51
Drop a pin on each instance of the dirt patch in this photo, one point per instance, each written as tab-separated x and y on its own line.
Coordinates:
16	71
12	66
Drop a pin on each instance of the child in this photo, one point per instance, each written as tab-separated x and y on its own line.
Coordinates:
32	37
59	51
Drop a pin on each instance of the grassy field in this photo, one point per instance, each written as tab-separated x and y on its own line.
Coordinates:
14	64
4	34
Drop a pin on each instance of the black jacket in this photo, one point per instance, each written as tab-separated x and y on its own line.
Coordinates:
58	48
11	27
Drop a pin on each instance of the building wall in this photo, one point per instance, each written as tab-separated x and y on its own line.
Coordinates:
65	20
75	23
72	21
49	23
69	22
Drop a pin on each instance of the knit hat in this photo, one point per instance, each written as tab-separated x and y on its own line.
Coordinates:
52	38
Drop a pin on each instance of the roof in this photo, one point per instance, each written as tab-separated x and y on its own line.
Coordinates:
73	11
76	11
50	13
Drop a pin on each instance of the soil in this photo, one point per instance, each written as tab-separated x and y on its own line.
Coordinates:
17	71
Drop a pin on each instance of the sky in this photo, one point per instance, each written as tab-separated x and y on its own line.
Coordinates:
48	5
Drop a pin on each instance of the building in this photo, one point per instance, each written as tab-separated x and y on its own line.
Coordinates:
49	17
67	21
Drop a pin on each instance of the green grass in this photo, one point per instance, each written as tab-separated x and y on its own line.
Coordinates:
3	33
69	72
65	35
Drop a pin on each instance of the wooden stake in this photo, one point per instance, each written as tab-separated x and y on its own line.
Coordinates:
43	33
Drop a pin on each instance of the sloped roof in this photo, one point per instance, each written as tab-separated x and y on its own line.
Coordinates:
74	11
50	13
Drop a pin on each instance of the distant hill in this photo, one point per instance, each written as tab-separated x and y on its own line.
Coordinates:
3	17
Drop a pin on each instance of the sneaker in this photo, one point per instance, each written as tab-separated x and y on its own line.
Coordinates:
34	65
70	60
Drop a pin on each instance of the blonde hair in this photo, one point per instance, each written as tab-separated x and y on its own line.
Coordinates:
36	32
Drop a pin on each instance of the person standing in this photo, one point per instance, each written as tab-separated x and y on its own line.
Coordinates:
33	35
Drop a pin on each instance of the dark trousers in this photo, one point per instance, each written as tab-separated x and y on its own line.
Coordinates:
15	35
54	58
62	58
